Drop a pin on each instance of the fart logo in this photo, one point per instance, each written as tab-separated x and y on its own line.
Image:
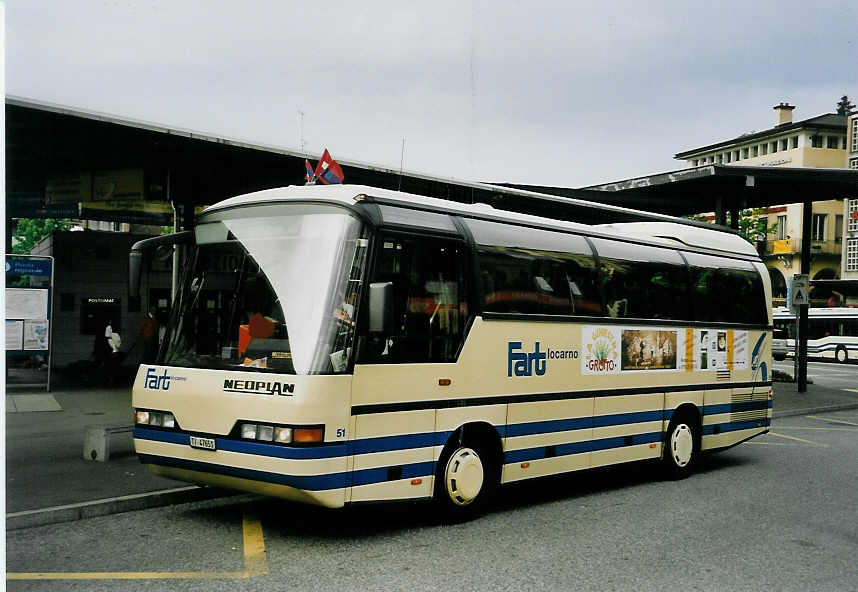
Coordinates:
520	363
155	381
525	364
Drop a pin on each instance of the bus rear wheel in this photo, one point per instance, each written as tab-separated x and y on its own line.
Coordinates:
841	354
681	447
465	480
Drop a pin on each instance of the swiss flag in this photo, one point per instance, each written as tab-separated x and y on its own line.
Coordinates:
328	171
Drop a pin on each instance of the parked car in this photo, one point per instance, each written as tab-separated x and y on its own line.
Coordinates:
779	344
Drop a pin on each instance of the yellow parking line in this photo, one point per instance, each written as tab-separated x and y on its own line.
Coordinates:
758	443
255	564
127	575
832	420
798	439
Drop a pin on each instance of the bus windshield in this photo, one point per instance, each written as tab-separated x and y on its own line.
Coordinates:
270	288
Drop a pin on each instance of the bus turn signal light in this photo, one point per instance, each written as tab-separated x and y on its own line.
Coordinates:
307	435
444	382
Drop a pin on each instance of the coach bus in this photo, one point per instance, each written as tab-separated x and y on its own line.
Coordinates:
832	333
344	344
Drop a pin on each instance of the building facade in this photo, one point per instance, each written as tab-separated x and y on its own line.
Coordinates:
818	142
850	206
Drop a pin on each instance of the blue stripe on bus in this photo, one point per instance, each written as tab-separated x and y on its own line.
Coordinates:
709	430
309	483
581	423
736	407
539	452
601	421
305	482
362	446
246	447
161	436
403	442
380	474
426	439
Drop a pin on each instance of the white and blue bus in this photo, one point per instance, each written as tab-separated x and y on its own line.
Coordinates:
832	333
344	344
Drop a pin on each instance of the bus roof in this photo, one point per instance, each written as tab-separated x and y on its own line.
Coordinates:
668	233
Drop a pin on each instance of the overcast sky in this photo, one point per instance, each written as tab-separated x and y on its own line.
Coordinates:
553	93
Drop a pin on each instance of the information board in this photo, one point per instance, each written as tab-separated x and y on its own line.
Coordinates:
29	288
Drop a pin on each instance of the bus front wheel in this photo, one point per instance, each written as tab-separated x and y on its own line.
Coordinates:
681	447
841	354
465	480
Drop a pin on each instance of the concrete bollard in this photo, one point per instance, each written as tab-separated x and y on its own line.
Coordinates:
96	440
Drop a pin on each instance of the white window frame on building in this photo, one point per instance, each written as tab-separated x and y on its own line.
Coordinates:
838	228
852	225
854	134
852	254
780	228
817	227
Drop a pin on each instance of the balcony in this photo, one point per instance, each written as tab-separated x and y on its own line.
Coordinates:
793	247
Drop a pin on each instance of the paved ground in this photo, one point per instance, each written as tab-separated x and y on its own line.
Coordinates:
45	467
776	513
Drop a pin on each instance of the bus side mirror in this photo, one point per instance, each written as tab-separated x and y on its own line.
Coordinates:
141	249
135	269
381	308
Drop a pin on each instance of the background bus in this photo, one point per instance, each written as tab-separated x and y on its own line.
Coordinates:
832	332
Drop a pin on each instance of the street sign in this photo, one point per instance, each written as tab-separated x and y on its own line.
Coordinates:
799	291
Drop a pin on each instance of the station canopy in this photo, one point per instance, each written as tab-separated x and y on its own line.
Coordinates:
721	189
68	162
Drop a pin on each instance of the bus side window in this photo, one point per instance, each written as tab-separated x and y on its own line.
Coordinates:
429	300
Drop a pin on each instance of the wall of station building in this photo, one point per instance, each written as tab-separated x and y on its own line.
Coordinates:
793	149
91	288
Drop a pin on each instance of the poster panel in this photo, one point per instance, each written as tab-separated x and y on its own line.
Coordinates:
601	350
36	335
646	349
14	335
26	303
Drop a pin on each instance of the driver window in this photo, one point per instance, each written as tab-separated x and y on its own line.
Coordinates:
429	300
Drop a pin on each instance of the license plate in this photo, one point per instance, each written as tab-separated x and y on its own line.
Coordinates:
204	443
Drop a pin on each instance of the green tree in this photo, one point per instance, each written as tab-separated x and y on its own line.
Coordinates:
29	231
845	106
752	224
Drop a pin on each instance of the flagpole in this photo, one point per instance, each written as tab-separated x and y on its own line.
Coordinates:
301	129
401	161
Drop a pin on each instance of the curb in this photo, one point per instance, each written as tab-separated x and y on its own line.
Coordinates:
809	410
115	505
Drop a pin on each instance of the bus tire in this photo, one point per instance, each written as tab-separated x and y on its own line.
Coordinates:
466	479
841	355
681	447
